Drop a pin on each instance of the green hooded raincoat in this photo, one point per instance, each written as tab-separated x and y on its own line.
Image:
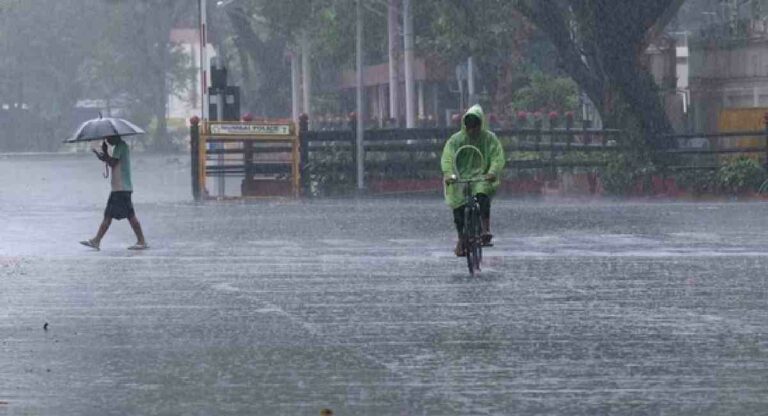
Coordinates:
489	146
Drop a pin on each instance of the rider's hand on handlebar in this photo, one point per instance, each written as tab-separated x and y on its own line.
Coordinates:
490	177
449	180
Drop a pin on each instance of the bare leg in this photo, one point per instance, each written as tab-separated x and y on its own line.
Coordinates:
137	230
102	230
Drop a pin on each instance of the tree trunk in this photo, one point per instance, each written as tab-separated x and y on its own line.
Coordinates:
270	73
635	88
601	44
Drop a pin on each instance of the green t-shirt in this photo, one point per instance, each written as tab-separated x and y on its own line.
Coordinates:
121	172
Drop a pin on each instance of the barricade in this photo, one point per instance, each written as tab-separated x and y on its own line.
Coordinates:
263	153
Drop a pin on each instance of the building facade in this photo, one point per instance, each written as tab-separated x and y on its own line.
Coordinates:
728	72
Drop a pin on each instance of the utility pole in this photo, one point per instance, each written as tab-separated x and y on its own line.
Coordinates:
394	60
295	86
306	75
220	102
472	100
360	125
203	59
410	111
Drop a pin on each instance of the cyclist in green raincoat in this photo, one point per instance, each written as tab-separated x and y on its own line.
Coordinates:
474	131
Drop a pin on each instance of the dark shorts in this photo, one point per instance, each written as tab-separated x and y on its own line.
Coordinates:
485	211
119	205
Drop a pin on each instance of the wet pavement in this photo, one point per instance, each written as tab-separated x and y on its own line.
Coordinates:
286	307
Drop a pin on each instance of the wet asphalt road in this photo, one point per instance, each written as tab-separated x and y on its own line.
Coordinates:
286	307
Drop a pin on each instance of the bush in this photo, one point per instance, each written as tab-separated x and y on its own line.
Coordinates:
740	175
625	174
547	92
697	182
330	170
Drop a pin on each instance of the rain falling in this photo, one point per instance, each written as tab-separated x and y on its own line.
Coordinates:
383	207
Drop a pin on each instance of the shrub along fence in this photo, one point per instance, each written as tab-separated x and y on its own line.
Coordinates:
727	162
708	151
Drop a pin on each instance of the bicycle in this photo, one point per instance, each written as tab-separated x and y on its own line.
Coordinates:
471	233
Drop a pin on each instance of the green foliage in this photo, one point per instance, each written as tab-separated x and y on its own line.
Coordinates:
599	44
330	170
740	175
588	159
489	29
546	92
41	53
627	173
697	182
492	32
57	53
329	26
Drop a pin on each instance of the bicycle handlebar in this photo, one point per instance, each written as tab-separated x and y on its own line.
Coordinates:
473	180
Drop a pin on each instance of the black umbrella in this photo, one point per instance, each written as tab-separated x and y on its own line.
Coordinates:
103	127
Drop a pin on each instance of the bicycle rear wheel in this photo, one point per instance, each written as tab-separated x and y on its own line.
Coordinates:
471	238
477	231
466	239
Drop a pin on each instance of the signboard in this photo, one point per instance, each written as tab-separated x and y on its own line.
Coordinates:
252	129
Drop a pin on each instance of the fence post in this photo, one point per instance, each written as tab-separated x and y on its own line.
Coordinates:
586	125
537	125
304	153
552	151
568	127
353	126
194	152
248	169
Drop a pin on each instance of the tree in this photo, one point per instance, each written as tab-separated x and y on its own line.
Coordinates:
53	54
151	66
495	34
40	55
255	54
600	44
547	93
261	32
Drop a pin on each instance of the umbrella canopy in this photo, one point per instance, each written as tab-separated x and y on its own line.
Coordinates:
103	127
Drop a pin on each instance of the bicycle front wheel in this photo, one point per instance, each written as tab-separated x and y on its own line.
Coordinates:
471	238
477	232
466	239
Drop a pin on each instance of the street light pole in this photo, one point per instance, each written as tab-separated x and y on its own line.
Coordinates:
203	59
360	153
410	113
295	86
471	82
306	71
220	102
394	52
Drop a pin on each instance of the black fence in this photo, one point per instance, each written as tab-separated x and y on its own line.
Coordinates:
696	151
329	158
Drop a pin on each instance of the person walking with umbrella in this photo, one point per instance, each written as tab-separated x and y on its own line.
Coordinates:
119	204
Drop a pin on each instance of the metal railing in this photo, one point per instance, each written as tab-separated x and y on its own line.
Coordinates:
328	158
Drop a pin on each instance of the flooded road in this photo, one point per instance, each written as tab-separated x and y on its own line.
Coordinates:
284	307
